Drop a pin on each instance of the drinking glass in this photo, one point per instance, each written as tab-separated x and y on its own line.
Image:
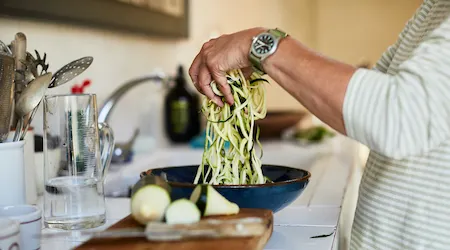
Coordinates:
77	155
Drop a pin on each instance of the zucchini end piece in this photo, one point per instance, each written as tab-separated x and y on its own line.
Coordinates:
210	202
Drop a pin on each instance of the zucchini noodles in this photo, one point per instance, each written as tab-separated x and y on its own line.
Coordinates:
234	126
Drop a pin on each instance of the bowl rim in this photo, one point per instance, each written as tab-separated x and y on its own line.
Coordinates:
185	184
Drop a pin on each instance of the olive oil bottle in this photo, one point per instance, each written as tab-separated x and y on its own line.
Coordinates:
182	116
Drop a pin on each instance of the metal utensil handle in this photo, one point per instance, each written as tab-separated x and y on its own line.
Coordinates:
29	122
106	146
20	47
18	129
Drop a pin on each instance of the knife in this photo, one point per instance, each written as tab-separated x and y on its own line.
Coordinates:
158	231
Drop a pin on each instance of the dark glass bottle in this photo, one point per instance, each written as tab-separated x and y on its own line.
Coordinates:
182	117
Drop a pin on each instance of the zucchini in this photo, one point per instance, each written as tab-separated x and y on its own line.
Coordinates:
210	202
182	211
150	197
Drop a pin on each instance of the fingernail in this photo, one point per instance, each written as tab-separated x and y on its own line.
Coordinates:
230	100
218	102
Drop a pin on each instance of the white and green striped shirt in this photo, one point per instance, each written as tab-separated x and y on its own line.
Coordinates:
401	111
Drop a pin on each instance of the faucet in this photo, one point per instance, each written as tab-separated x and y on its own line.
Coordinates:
122	151
111	101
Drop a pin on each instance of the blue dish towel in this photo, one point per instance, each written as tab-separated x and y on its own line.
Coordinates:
199	141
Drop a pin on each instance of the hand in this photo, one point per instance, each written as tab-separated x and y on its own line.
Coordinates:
218	56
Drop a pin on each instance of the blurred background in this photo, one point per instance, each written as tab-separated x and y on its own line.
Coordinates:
355	31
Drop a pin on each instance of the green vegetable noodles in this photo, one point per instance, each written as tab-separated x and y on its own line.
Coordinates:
234	125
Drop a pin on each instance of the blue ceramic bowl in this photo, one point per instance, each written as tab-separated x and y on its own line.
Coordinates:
288	184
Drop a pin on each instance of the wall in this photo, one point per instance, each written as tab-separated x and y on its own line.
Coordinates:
327	25
356	31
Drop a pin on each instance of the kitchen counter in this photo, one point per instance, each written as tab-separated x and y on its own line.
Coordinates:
315	212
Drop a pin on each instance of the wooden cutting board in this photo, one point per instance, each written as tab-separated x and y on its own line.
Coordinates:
249	243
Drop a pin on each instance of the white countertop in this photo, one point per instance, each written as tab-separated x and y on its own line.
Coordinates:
315	212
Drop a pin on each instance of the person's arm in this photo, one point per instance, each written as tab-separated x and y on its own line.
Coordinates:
319	83
396	115
319	72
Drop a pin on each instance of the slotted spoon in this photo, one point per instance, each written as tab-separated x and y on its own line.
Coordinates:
70	71
63	75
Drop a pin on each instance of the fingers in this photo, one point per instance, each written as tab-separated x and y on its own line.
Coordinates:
248	71
194	69
204	80
223	85
205	68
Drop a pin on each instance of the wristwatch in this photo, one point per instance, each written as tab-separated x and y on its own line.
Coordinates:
264	45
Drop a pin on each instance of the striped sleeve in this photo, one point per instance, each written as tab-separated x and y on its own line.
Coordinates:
383	63
407	113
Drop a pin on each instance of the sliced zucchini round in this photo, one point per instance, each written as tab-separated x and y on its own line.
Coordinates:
149	199
182	211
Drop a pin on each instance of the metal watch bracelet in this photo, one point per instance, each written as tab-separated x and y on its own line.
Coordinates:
256	61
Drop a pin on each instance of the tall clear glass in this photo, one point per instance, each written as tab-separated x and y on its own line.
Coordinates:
77	155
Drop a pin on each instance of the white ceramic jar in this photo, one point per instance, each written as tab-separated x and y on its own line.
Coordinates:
9	234
30	219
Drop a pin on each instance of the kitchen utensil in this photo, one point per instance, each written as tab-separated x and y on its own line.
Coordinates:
160	231
256	240
20	54
40	62
30	73
288	184
70	71
30	99
7	72
27	122
5	49
124	151
31	66
74	196
20	50
29	217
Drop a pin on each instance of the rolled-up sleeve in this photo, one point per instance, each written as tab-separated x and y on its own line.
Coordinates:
407	113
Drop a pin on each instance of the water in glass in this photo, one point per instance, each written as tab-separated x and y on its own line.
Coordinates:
77	153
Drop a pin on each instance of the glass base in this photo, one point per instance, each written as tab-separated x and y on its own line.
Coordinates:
75	223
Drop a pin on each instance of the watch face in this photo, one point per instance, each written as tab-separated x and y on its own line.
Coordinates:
264	44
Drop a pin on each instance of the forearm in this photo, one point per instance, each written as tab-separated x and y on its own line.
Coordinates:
397	115
317	82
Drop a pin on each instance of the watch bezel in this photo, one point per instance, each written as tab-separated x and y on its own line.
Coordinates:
271	51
